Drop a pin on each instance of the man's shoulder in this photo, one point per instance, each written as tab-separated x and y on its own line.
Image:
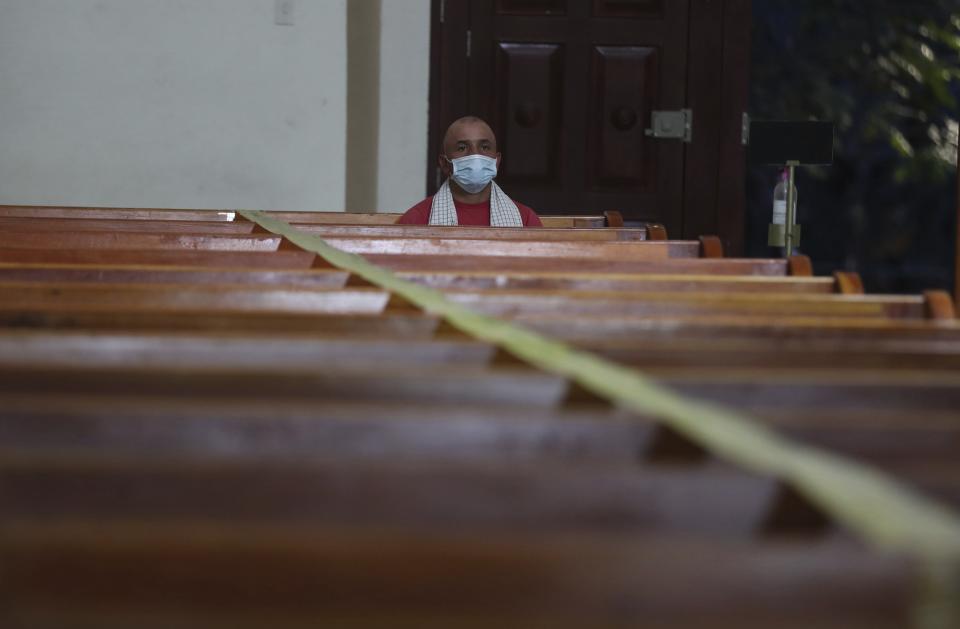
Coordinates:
419	214
530	218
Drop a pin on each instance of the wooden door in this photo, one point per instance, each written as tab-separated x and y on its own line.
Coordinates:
569	86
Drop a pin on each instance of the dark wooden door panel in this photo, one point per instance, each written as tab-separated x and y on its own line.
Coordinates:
531	7
529	112
570	86
623	92
628	8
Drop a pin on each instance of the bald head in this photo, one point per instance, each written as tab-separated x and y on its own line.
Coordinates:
469	135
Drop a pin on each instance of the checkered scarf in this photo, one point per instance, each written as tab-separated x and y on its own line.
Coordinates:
503	211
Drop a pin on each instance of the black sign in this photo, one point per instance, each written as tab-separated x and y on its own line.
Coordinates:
782	141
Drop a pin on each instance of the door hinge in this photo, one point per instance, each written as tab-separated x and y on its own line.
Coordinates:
672	125
745	129
469	42
443	11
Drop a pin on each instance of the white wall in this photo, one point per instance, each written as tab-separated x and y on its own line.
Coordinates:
203	103
172	103
404	103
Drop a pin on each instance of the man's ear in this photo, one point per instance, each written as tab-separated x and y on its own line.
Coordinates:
444	165
498	161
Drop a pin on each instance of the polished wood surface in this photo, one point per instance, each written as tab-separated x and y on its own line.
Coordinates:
247	438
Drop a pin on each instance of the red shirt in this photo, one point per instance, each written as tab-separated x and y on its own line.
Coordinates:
473	214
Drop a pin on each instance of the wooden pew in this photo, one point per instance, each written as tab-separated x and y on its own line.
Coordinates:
187	297
393	324
623	283
21	224
277	348
585	250
367	300
215	576
431	383
115	213
384	246
476	280
505	384
822	387
474	495
358	430
299	259
40	273
139	241
173	257
661	304
175	488
475	233
371	430
609	219
588	329
722	353
527	264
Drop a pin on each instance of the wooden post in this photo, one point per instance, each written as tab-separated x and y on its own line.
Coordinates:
956	254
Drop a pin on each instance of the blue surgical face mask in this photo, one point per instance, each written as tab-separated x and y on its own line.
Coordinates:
473	172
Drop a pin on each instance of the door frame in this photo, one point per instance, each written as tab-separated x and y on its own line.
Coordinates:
718	81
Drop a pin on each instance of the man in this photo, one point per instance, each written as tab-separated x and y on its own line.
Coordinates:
469	196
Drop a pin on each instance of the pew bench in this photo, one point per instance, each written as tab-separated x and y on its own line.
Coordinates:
503	303
213	575
468	280
47	225
608	219
577	467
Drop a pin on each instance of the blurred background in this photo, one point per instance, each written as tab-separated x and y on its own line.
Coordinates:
887	73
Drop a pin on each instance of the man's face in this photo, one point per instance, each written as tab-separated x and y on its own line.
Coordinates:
468	138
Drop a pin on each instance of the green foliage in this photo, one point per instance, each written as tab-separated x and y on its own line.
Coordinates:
887	73
884	70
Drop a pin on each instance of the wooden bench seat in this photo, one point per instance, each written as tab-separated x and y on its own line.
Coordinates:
587	250
379	219
45	225
838	353
292	259
237	406
884	437
40	273
362	430
611	219
224	299
214	576
813	389
623	283
548	234
506	303
139	241
585	329
430	383
495	302
738	388
579	250
526	264
225	260
216	349
467	495
357	429
115	213
477	280
58	225
394	324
